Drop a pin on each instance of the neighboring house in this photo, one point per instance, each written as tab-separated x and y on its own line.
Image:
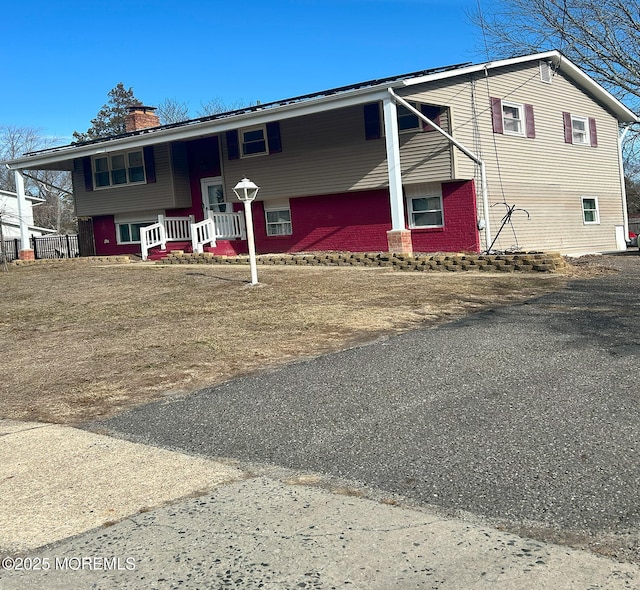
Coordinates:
423	162
10	218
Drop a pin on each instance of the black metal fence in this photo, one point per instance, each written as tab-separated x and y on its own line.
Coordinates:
45	247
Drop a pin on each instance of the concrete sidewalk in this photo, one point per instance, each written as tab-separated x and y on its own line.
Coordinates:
119	514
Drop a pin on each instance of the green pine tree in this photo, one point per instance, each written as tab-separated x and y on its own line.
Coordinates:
110	120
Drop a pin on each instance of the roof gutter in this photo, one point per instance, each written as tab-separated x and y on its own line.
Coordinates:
157	135
464	150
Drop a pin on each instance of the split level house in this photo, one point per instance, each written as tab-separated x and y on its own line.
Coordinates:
430	161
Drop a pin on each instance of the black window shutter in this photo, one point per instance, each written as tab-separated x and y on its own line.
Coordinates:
593	133
149	163
529	121
88	173
432	113
273	137
372	123
233	145
496	115
568	130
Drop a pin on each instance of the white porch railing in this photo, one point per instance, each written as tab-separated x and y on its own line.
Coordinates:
226	226
203	232
178	228
229	226
151	236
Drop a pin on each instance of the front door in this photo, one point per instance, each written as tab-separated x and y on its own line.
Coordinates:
213	199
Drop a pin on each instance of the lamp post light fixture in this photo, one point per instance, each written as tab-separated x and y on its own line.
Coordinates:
246	191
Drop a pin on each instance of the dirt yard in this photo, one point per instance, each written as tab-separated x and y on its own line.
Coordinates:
82	342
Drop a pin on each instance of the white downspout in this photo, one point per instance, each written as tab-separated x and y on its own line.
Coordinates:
464	150
623	188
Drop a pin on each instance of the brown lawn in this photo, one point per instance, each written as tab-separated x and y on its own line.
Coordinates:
82	342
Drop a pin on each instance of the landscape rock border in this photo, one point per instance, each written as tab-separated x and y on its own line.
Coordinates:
521	261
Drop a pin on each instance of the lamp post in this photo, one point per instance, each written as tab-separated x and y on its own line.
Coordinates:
246	191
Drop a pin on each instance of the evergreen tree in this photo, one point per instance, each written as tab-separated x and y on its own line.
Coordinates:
110	120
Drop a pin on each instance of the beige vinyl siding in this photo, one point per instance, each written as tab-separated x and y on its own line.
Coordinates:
169	190
545	175
327	153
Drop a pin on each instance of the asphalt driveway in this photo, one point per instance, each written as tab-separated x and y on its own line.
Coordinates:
527	415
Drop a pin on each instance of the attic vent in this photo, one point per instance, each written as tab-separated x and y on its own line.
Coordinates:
546	71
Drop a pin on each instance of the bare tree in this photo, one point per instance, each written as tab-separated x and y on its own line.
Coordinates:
216	105
600	36
54	186
170	110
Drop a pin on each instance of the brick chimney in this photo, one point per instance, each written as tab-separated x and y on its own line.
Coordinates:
141	117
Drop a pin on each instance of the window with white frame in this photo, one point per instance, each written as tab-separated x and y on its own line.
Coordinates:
590	212
118	169
424	204
278	218
512	118
128	225
580	130
254	141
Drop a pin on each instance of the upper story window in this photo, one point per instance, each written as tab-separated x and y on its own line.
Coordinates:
118	169
254	141
513	118
408	121
580	130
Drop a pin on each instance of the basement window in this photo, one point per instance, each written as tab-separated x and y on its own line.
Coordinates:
278	221
128	225
118	169
424	204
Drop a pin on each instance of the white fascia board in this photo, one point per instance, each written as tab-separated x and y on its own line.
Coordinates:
623	114
204	128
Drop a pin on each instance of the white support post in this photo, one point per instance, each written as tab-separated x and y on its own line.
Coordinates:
393	164
163	232
25	247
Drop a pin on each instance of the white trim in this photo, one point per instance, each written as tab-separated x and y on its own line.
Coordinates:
148	217
425	190
109	157
521	118
327	102
587	130
394	170
241	140
559	61
597	210
267	223
214	180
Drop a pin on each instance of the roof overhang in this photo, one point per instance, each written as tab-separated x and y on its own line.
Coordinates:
198	128
60	158
560	62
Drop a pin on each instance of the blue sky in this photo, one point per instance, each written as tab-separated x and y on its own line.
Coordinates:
60	59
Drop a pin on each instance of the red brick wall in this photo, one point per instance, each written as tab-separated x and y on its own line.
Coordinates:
104	228
460	233
357	222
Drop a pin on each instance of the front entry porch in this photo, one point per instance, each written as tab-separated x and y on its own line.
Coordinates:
185	233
